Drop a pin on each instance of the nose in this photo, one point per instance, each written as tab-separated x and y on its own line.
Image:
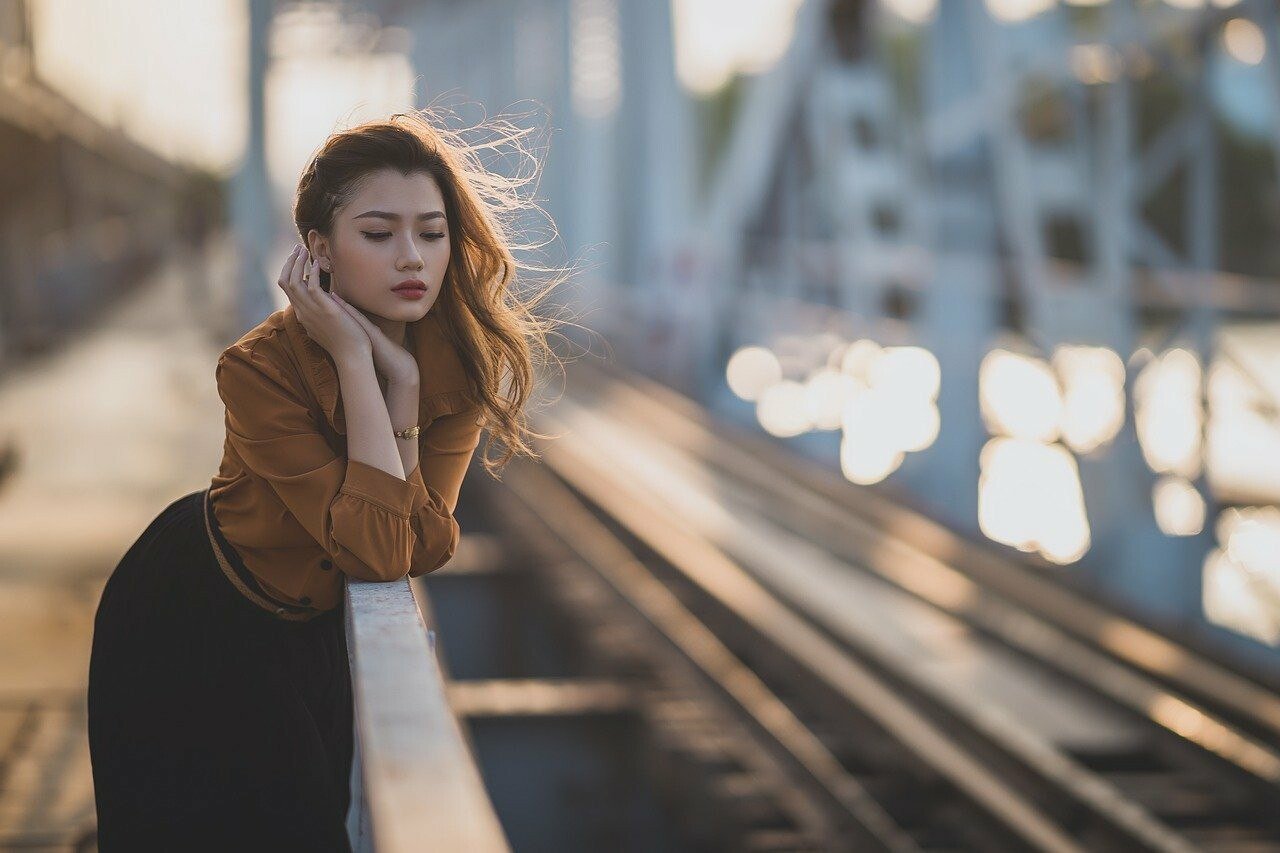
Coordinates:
411	260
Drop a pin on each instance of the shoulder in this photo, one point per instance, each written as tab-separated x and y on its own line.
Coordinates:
271	333
264	352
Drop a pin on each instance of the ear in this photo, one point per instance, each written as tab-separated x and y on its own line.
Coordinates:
319	246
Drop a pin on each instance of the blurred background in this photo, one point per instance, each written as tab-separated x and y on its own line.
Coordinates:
1009	267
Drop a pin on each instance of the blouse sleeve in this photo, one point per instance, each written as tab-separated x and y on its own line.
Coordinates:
445	448
366	519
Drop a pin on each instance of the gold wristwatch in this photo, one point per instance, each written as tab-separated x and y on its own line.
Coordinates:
407	433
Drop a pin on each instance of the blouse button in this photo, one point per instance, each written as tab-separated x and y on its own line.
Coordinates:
306	600
325	565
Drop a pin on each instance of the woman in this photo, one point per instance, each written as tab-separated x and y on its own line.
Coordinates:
220	712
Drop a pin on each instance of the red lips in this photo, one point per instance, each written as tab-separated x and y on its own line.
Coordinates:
411	284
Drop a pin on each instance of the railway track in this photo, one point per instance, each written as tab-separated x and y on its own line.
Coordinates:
893	750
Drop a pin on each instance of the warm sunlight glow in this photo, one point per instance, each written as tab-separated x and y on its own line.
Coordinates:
323	79
716	39
170	75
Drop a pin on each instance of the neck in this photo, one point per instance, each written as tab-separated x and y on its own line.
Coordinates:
395	330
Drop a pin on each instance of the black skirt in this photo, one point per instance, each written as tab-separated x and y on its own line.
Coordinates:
213	724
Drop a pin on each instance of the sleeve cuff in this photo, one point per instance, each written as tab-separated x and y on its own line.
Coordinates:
380	488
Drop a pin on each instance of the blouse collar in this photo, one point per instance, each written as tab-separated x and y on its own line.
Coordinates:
322	375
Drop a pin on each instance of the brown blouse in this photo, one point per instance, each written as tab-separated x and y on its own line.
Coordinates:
290	503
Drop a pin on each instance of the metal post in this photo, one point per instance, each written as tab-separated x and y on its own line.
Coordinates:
251	204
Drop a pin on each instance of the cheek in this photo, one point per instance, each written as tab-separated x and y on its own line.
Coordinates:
356	258
442	257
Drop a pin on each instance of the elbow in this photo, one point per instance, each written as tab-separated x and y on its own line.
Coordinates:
431	556
392	573
376	571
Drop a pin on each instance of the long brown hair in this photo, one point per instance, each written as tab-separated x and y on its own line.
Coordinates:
486	305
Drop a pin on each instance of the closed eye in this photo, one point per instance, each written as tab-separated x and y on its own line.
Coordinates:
378	236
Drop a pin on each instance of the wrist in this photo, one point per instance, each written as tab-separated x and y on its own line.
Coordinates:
404	381
355	364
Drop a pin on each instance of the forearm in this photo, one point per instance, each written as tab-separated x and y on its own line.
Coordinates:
369	438
402	407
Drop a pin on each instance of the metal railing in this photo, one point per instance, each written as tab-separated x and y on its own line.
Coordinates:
414	782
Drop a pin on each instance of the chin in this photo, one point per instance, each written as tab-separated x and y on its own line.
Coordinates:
416	311
406	311
427	306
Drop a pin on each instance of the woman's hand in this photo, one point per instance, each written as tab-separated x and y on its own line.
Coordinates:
390	359
320	314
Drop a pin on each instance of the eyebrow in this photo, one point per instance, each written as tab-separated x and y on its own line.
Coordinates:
395	217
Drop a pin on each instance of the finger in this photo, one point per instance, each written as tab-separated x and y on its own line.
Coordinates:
354	312
304	261
288	266
308	292
291	282
311	273
342	304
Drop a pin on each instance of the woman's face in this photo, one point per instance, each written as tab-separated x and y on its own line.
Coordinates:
393	230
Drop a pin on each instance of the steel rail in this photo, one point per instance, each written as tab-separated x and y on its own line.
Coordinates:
925	558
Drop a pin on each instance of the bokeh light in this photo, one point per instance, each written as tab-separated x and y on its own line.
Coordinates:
868	448
596	75
859	358
826	393
1241	581
1232	598
751	370
1244	41
1179	507
1093	409
911	371
1019	396
915	11
1014	11
1030	497
1095	63
716	39
1168	414
781	409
